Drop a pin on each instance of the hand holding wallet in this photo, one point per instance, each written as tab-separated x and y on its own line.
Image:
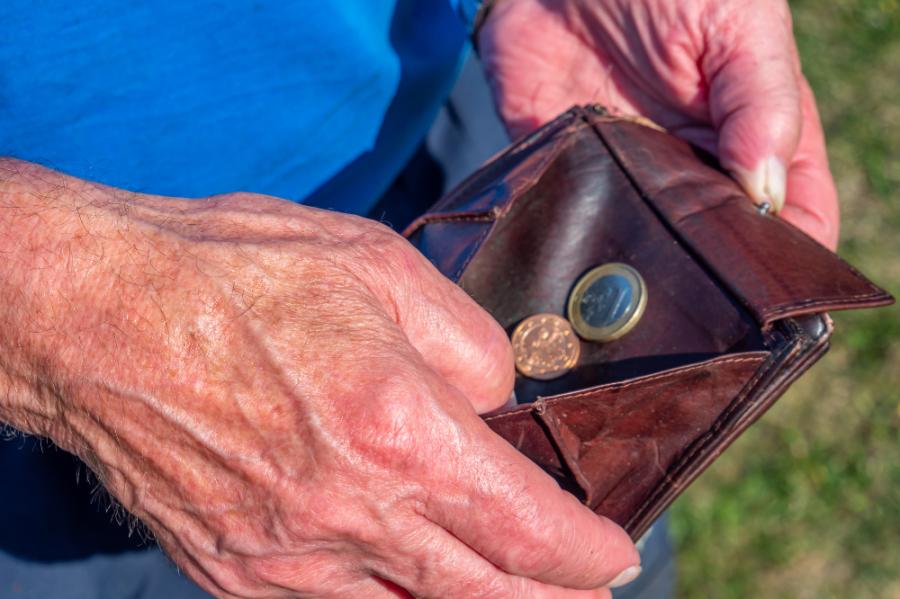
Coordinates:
735	310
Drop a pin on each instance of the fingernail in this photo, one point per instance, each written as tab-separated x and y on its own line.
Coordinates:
626	576
776	182
767	182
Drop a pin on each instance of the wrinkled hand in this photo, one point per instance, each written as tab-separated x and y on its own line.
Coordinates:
288	398
723	74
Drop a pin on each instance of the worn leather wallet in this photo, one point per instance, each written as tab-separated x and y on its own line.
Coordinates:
735	310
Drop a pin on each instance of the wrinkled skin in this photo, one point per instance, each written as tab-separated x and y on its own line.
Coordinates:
287	397
723	74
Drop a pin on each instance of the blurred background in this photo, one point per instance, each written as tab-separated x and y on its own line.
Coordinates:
807	502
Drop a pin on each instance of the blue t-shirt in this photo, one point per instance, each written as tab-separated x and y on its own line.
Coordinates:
316	101
211	96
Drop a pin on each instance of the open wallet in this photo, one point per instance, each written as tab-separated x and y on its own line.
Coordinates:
725	305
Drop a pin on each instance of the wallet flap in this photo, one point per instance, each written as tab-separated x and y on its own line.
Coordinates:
624	439
772	267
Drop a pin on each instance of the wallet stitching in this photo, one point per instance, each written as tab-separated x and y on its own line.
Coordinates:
835	299
629	384
832	299
652	378
449	218
429	219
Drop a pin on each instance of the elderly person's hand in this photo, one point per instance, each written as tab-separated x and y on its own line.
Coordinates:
723	74
286	396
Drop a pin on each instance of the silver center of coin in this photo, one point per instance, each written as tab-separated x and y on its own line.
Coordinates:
607	300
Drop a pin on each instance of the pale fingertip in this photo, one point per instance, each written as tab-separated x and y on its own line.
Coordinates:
626	576
775	185
767	183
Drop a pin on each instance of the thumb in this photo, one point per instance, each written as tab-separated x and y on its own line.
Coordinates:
752	70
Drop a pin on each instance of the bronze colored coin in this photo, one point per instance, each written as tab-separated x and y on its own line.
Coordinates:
545	347
607	302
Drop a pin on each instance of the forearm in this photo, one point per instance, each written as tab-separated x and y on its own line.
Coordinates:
55	239
82	336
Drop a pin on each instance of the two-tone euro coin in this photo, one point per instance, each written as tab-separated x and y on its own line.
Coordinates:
607	302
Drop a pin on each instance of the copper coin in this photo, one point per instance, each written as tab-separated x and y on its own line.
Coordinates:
545	347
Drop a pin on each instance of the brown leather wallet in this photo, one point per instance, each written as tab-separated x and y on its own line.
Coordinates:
736	310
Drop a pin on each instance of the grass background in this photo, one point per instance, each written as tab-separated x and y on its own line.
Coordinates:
807	502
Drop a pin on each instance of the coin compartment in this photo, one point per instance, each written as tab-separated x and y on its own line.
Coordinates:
584	211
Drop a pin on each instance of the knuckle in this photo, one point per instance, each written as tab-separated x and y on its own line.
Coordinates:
391	268
391	255
538	549
396	429
378	240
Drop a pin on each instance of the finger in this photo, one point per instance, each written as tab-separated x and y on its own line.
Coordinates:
534	82
505	508
812	201
455	336
754	96
433	563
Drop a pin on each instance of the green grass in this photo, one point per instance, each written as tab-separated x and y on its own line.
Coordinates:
807	503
